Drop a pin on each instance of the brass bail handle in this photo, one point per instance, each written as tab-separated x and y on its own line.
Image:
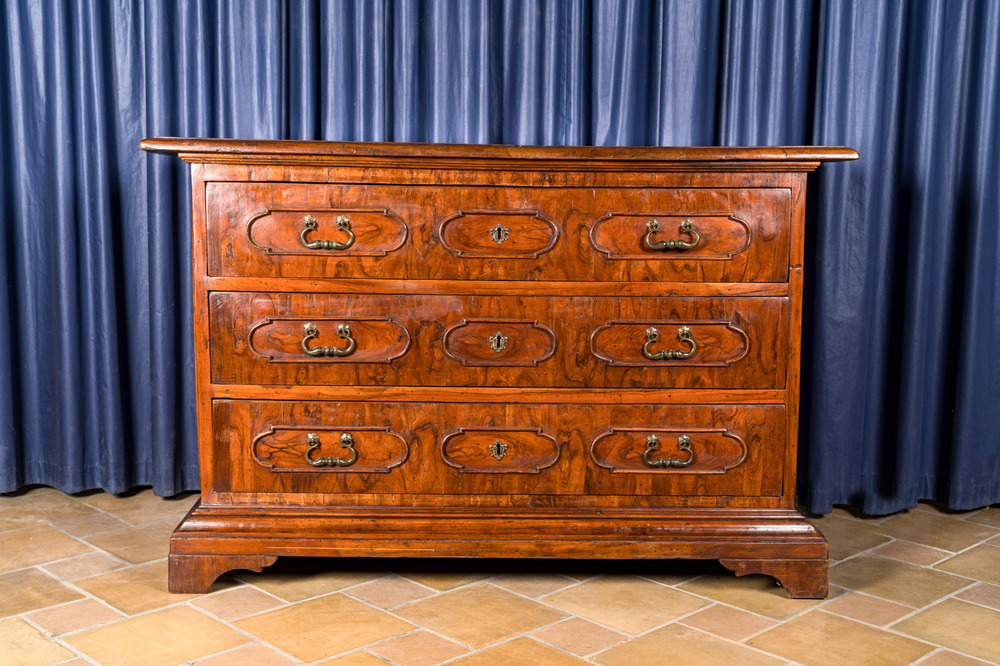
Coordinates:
310	225
683	443
346	441
683	334
312	331
687	227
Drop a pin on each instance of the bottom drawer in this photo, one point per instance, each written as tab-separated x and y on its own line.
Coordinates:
480	449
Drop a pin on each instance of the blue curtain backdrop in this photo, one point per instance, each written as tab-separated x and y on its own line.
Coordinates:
902	351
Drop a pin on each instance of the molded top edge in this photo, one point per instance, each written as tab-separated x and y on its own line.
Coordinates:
208	150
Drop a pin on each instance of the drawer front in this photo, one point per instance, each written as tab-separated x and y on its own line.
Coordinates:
559	342
484	449
489	233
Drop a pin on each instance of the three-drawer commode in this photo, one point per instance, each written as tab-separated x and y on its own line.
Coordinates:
497	351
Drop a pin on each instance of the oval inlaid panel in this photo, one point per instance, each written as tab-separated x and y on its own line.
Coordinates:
513	234
487	450
377	340
620	235
279	231
499	342
718	343
622	450
284	448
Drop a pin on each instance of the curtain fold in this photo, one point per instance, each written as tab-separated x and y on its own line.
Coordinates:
901	372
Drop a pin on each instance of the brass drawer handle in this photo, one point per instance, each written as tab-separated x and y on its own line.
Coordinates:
343	331
346	441
683	443
687	227
342	223
683	334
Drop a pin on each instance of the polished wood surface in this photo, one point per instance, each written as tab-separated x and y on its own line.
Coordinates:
480	387
439	233
569	449
407	340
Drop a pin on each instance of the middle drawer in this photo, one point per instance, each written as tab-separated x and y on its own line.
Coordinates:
526	341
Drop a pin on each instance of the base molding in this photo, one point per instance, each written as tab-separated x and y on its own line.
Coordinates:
780	543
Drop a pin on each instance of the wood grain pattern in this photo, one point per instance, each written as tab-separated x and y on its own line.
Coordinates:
499	342
757	360
715	451
500	450
722	235
422	287
283	448
279	339
278	231
498	233
427	427
550	236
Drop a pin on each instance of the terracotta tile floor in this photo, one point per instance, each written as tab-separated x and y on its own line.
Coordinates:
83	581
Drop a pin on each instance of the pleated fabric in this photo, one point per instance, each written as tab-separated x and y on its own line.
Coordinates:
901	369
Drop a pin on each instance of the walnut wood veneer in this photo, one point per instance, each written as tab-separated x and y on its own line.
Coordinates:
497	351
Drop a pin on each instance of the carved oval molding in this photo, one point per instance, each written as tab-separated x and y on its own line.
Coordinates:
282	448
499	342
378	339
500	450
510	234
620	235
377	231
720	342
716	450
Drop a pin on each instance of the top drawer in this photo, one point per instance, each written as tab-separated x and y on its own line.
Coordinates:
497	233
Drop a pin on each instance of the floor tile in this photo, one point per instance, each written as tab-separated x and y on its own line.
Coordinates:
23	645
893	580
237	603
36	545
359	658
914	553
442	581
958	625
988	516
89	524
74	616
480	615
755	593
139	588
323	627
982	593
82	566
31	589
163	638
995	541
625	603
728	622
849	537
531	585
301	578
821	639
579	636
519	652
981	563
248	655
948	658
137	544
937	531
390	591
39	506
420	648
685	646
141	507
868	609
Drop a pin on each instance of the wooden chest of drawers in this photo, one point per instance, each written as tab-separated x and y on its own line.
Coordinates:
495	351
